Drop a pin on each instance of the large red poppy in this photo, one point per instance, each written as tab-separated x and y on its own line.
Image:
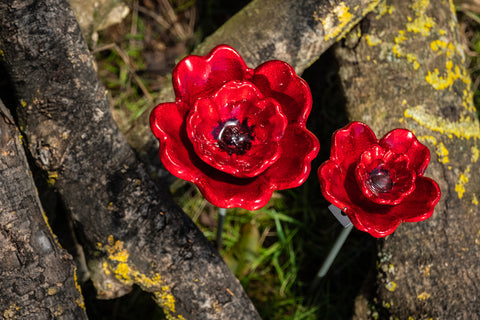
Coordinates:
235	132
378	184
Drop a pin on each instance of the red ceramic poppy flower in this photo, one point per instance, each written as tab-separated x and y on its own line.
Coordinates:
378	183
235	132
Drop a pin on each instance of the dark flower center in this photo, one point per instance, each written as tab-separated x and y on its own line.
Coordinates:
233	136
379	180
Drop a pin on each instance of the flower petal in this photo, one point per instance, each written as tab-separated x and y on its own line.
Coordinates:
225	191
332	180
298	148
404	141
278	80
197	77
420	204
340	189
350	142
384	176
237	106
167	122
377	224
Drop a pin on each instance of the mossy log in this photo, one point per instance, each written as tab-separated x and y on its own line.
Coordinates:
37	277
403	66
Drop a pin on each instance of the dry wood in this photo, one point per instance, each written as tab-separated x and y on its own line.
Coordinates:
37	277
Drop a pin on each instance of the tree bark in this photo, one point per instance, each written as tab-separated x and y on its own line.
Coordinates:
404	67
297	32
132	231
37	277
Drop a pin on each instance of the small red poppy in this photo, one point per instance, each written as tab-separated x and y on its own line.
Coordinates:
235	132
378	184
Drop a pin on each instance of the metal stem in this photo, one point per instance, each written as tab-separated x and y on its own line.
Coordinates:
331	256
222	212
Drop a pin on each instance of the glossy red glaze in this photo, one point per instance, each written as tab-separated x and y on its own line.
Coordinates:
235	132
378	183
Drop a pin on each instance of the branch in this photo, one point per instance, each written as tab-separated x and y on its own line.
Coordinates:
408	70
37	277
132	231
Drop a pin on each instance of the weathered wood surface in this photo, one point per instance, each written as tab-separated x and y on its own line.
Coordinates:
37	277
404	67
131	230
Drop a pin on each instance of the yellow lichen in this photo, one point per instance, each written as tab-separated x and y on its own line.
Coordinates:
52	177
437	45
383	8
166	299
422	23
474	199
423	296
372	40
425	272
45	218
462	129
391	286
467	100
439	82
475	154
10	312
57	313
412	58
398	51
430	139
371	5
129	275
452	72
462	181
452	7
51	291
442	153
332	29
80	302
